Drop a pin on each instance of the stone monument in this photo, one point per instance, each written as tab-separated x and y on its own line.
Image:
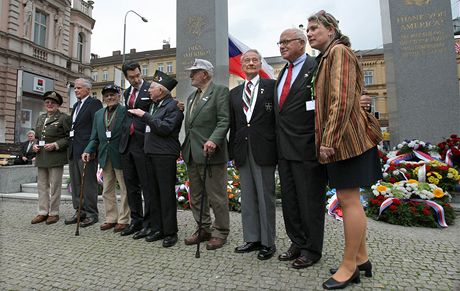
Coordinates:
421	69
202	32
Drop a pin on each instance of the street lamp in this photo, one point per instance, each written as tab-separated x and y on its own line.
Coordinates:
124	31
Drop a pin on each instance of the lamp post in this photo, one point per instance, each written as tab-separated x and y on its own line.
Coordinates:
124	31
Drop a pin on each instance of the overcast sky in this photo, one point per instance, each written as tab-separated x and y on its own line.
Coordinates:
257	23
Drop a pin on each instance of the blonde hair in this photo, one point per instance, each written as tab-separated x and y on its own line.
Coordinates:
329	21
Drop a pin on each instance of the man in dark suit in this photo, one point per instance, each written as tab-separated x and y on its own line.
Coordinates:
162	147
82	123
27	153
253	148
132	151
206	124
105	140
303	179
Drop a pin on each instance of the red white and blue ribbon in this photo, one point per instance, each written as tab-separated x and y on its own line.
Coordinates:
332	206
423	156
385	204
449	158
401	158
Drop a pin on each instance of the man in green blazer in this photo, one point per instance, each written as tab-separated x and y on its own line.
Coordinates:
207	120
105	140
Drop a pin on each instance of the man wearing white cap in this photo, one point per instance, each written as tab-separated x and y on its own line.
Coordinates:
206	124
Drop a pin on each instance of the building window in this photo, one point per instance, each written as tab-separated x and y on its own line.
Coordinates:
169	67
95	94
105	75
368	77
145	70
94	76
161	67
80	43
373	103
40	28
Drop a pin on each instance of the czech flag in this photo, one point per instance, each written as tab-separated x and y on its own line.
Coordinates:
235	49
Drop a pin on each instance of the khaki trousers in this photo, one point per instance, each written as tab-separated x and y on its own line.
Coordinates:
49	183
216	197
113	214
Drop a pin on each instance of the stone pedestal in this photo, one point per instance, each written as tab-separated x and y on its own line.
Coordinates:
11	177
421	69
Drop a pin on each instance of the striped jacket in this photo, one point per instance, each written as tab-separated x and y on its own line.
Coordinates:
340	121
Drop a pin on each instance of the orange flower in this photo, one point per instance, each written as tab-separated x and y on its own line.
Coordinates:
412	181
438	193
381	188
231	196
229	190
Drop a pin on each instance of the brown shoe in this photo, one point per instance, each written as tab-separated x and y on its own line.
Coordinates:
52	219
39	218
215	243
195	238
107	225
120	227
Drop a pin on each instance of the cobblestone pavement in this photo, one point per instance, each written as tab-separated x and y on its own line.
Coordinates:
46	257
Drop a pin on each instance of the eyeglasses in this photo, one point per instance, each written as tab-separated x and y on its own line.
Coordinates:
286	41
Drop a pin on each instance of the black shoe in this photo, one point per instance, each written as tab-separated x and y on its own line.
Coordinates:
132	228
304	262
89	221
332	284
73	219
170	240
366	267
142	233
292	253
248	247
266	253
154	236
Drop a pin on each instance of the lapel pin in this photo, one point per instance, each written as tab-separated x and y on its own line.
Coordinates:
306	75
261	90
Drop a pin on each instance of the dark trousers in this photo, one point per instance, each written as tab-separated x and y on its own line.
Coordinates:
135	175
303	187
161	170
89	208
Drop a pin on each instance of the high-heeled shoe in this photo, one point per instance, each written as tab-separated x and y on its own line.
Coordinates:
366	267
332	284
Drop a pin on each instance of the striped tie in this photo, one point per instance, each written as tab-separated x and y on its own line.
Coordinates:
247	96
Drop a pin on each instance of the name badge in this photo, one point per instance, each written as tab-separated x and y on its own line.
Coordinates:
147	128
310	105
71	133
108	134
41	143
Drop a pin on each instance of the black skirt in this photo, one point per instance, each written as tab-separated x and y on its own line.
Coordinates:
360	171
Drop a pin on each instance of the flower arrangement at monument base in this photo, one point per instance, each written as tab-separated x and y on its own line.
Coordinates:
449	150
411	203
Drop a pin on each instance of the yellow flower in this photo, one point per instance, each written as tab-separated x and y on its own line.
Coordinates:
438	193
412	181
381	188
433	180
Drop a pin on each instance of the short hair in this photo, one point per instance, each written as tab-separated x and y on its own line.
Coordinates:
155	84
252	51
31	131
86	82
130	66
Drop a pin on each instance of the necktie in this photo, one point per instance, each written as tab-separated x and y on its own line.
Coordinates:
77	109
132	98
29	146
247	96
131	101
195	101
286	86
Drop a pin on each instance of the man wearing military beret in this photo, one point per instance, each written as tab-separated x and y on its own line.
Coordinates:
162	148
52	131
105	140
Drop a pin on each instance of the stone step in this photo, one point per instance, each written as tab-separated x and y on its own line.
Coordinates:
456	207
455	197
34	196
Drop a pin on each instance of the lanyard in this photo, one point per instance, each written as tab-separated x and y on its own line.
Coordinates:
108	121
252	94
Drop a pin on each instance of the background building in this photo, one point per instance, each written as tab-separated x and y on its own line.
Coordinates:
44	45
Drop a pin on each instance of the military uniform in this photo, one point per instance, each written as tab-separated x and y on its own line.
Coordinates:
51	129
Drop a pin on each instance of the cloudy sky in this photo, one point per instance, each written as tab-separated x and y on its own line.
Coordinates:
257	23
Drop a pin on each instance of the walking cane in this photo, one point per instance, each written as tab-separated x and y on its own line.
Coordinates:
203	199
77	231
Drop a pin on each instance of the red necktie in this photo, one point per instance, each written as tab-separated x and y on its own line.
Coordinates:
132	98
131	102
286	86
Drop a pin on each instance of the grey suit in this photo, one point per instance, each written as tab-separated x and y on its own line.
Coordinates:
208	121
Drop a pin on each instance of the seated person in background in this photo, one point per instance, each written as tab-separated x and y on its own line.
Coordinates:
27	154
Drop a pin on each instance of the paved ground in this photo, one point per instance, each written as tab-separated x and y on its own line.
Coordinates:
45	257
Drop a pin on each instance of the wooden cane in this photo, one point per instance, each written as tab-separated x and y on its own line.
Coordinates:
77	231
202	202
